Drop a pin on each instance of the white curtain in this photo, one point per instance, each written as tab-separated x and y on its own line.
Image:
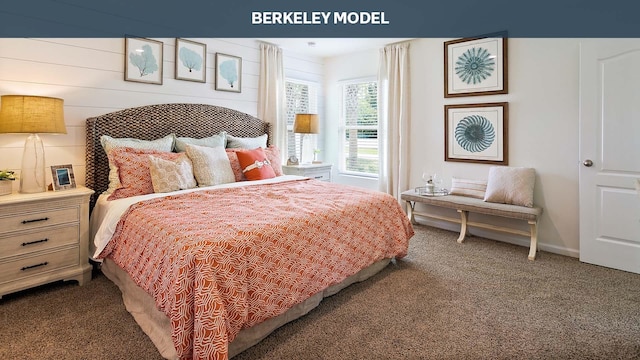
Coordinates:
394	118
271	94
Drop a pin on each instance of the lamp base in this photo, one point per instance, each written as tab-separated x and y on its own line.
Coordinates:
32	176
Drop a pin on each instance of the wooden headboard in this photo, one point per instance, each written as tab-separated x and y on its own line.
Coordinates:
155	121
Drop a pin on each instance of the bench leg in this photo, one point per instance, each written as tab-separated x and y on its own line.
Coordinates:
410	208
463	225
534	239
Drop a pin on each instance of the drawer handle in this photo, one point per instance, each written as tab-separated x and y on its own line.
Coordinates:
318	177
34	242
34	266
34	220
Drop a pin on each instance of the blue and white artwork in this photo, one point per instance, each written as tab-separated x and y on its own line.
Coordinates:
228	73
475	133
475	67
190	60
143	60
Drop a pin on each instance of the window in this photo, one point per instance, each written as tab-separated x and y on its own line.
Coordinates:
359	122
302	98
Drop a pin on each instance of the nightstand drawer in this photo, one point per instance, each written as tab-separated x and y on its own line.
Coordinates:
38	240
35	265
319	175
38	219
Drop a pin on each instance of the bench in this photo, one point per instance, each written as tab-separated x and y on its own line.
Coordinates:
464	205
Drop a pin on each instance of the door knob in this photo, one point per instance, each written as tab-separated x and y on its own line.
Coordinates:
587	163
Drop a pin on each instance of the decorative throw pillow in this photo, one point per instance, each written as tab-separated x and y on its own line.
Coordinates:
109	143
510	185
210	165
134	170
255	165
212	141
247	142
171	175
272	152
468	187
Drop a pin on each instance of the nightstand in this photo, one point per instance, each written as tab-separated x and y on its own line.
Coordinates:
320	172
44	237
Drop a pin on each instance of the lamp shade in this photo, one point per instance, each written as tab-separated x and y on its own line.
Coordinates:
31	114
306	124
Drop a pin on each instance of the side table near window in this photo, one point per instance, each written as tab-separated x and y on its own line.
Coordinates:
320	172
44	237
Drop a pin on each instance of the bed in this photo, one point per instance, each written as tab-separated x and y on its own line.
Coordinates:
209	271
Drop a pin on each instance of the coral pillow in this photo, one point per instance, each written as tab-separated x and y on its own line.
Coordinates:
255	165
272	152
134	170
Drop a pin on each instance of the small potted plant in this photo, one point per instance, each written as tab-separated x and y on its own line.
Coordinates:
6	176
315	157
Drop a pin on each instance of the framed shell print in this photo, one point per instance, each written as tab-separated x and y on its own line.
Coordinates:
476	66
477	133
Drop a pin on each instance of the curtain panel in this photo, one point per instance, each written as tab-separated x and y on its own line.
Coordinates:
394	116
271	94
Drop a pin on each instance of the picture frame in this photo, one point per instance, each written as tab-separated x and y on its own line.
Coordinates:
191	60
143	60
476	66
63	178
228	73
477	133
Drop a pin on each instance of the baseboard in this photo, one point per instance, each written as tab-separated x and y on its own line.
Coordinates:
499	236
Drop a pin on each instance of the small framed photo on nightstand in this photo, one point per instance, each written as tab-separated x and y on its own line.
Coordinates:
63	178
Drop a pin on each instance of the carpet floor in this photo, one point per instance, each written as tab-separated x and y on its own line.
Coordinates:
478	300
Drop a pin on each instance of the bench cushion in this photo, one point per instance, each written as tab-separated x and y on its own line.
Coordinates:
475	205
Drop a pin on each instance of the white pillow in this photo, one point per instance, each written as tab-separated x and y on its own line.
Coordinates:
247	143
171	175
510	185
211	165
212	141
467	187
109	143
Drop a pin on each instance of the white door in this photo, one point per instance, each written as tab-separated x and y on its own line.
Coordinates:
610	153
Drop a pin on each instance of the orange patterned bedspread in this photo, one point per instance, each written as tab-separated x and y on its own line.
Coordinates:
217	261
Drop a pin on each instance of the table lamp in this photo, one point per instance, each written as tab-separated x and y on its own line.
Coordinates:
305	124
32	115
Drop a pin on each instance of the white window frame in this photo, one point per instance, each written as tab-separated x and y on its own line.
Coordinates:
312	91
342	166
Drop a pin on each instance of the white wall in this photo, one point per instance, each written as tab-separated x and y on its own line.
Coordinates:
543	126
543	107
89	75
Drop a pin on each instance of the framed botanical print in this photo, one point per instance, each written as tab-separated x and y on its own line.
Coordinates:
191	60
477	133
228	73
143	60
475	66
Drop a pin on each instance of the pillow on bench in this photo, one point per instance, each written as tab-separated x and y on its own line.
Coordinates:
510	185
467	187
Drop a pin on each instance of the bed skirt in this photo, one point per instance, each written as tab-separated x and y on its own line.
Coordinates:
156	324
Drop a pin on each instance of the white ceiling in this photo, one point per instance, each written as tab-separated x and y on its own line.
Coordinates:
327	47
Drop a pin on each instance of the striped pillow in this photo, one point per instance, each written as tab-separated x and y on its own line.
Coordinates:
467	187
